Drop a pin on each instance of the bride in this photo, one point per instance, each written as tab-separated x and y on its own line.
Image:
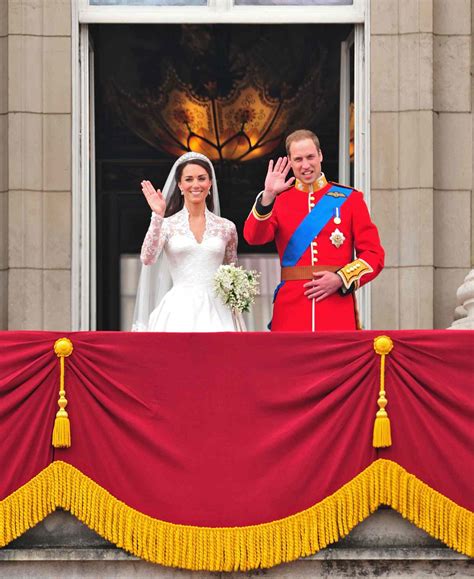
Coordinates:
185	244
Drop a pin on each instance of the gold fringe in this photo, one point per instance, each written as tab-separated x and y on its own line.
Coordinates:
382	435
237	548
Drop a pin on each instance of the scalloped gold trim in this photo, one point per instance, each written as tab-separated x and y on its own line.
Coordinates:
384	482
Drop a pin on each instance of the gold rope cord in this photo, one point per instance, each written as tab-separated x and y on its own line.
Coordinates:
62	428
382	436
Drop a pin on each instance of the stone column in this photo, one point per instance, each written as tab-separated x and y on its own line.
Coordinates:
453	153
402	160
3	165
422	157
39	163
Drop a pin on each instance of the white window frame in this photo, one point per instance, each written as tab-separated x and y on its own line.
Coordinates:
357	38
83	285
344	111
222	11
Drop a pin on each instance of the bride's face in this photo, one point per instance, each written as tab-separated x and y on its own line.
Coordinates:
195	184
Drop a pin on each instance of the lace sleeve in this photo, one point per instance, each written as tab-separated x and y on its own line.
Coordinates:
231	247
154	241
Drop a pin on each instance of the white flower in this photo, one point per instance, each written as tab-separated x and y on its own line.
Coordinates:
236	287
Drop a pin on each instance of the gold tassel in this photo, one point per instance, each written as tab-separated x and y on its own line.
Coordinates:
382	432
62	428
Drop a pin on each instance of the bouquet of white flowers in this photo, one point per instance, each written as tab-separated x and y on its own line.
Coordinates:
237	287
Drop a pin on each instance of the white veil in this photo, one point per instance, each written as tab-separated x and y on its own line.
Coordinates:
155	279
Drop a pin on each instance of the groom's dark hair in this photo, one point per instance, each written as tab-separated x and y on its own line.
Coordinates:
301	135
176	201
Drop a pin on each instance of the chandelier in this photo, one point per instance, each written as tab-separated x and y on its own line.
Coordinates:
245	124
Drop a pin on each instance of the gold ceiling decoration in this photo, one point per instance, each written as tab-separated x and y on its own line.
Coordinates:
243	125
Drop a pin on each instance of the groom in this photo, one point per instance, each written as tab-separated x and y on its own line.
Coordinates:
327	243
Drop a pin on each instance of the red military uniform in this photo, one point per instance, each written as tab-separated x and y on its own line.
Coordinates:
293	311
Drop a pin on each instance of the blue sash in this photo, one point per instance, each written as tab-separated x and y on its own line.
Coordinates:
312	225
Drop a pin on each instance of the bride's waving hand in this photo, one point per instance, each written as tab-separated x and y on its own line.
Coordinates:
154	197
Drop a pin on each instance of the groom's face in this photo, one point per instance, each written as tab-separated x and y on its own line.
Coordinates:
195	183
305	160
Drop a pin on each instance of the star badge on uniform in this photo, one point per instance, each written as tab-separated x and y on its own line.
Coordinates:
337	238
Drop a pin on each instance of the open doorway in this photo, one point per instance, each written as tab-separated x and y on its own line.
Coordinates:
231	91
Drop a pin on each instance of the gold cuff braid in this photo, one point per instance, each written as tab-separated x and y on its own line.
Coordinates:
352	272
259	217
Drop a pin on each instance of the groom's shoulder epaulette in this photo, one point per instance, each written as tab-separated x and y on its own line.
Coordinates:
338	190
341	186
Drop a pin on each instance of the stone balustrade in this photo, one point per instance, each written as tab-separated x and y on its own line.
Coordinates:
464	313
384	545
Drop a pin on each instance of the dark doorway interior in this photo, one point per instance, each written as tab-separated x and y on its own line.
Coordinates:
281	76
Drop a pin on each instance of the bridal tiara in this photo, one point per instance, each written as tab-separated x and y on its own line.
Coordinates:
192	155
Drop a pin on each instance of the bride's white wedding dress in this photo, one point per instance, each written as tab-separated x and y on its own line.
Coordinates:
191	304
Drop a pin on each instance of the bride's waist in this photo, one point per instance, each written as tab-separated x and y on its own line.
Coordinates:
204	285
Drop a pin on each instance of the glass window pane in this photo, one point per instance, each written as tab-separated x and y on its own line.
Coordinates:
295	2
147	2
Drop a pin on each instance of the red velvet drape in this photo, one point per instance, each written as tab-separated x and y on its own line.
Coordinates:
237	429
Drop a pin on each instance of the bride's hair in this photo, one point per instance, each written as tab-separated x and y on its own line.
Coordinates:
176	200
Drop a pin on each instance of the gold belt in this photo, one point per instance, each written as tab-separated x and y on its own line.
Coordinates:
296	272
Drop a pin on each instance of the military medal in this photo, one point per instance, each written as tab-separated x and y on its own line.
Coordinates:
337	238
337	219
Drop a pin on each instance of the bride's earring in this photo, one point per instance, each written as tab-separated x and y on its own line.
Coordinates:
181	192
209	192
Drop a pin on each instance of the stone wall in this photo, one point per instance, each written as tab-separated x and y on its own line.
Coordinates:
402	160
421	159
37	156
453	150
3	165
